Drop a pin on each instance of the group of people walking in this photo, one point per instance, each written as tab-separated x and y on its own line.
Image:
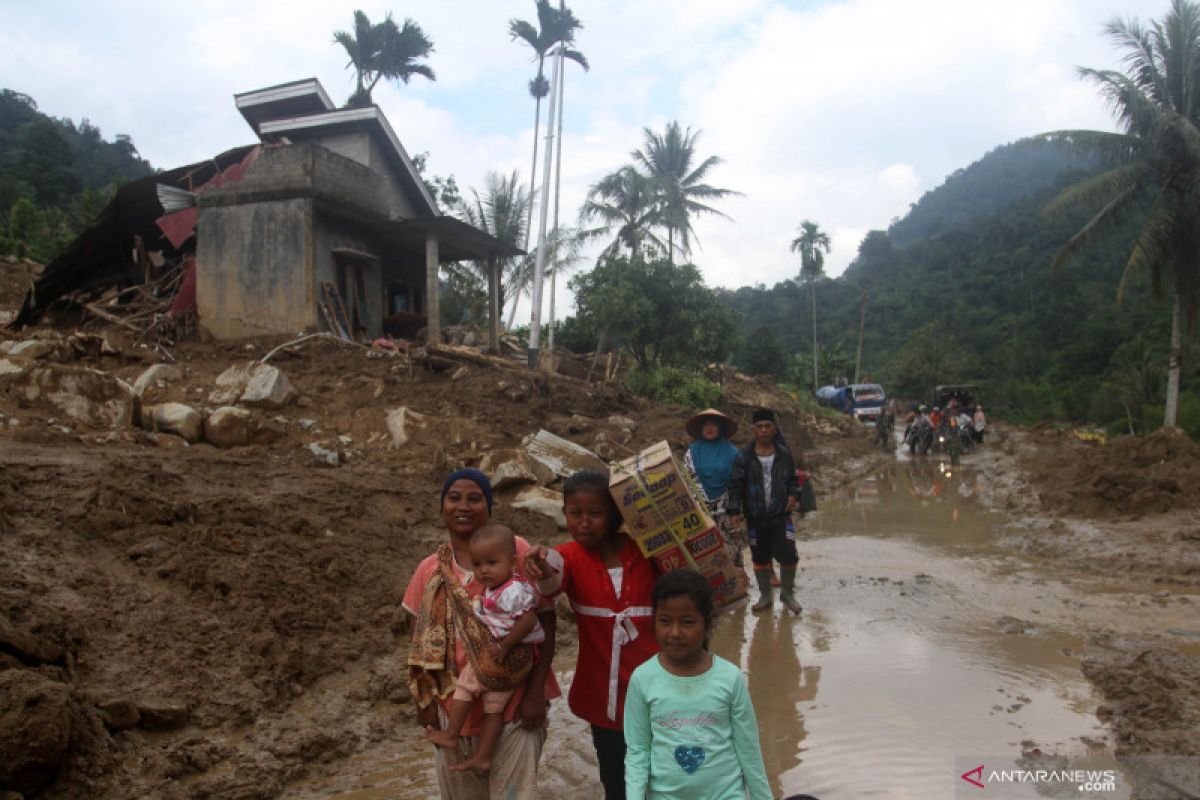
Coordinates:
669	719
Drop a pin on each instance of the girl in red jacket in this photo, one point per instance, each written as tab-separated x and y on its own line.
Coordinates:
608	581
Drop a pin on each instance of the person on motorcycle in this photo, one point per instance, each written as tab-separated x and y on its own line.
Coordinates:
935	418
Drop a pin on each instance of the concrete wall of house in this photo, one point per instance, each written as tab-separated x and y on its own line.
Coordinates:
254	270
332	234
355	146
367	150
398	202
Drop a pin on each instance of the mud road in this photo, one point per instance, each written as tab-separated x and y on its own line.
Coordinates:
932	641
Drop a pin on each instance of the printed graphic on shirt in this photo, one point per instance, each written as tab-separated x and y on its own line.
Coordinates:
689	758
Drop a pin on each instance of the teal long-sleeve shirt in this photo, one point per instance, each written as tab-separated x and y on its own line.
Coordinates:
693	737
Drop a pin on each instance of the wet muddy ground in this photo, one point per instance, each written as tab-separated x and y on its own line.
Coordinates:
929	644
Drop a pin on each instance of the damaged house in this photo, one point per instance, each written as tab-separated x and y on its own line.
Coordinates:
324	224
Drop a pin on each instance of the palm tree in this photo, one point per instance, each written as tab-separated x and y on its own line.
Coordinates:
383	50
500	212
554	26
668	158
624	200
809	244
1156	161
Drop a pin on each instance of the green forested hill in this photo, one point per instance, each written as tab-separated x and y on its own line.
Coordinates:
961	290
54	176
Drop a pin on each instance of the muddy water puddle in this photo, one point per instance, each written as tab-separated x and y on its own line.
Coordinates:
925	648
920	650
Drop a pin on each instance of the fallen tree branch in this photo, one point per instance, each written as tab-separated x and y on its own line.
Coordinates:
307	338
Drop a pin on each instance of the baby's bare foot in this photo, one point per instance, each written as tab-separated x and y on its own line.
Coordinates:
475	763
441	738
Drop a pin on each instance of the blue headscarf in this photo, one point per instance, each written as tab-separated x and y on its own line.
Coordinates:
474	475
713	461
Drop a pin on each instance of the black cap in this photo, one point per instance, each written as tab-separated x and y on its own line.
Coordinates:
762	415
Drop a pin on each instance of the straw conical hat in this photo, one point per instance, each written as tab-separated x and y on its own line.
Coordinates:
693	426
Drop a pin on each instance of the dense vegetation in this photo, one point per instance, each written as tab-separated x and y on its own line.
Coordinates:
55	175
961	290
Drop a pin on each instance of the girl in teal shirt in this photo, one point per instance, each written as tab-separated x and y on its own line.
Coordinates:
690	728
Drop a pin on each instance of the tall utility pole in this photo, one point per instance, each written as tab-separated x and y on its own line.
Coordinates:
862	324
812	294
562	82
539	263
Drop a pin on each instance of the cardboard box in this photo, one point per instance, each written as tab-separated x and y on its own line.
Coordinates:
663	516
652	491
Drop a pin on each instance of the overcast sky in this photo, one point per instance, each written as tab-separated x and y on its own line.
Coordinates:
841	112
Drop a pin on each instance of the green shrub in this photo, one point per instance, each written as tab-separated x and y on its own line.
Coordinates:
671	385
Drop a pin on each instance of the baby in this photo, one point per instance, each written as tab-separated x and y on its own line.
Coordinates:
508	607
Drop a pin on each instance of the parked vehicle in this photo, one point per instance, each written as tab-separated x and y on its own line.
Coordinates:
863	401
970	399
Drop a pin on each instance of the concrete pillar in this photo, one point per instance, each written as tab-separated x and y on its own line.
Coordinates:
493	304
431	288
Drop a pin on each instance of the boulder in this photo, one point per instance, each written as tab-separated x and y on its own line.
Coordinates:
86	396
174	418
156	375
28	647
560	456
162	715
542	501
267	388
32	348
253	384
35	729
230	426
119	715
509	468
11	368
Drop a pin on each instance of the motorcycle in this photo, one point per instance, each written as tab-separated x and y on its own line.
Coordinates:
949	438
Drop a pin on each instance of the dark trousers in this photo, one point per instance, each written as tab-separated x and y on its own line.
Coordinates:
771	541
610	752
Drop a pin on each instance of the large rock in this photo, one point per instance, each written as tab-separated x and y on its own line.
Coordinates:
86	396
35	729
542	501
162	715
253	384
156	375
11	368
559	455
230	426
32	348
174	418
28	647
267	388
509	468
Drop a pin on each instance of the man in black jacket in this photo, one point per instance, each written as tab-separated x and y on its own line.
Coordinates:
763	490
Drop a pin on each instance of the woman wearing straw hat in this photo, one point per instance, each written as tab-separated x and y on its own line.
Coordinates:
710	460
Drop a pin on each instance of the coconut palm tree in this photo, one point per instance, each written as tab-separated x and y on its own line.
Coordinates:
625	200
669	158
809	244
501	212
383	50
554	26
1155	165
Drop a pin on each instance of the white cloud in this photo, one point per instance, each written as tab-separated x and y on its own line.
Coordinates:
842	112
